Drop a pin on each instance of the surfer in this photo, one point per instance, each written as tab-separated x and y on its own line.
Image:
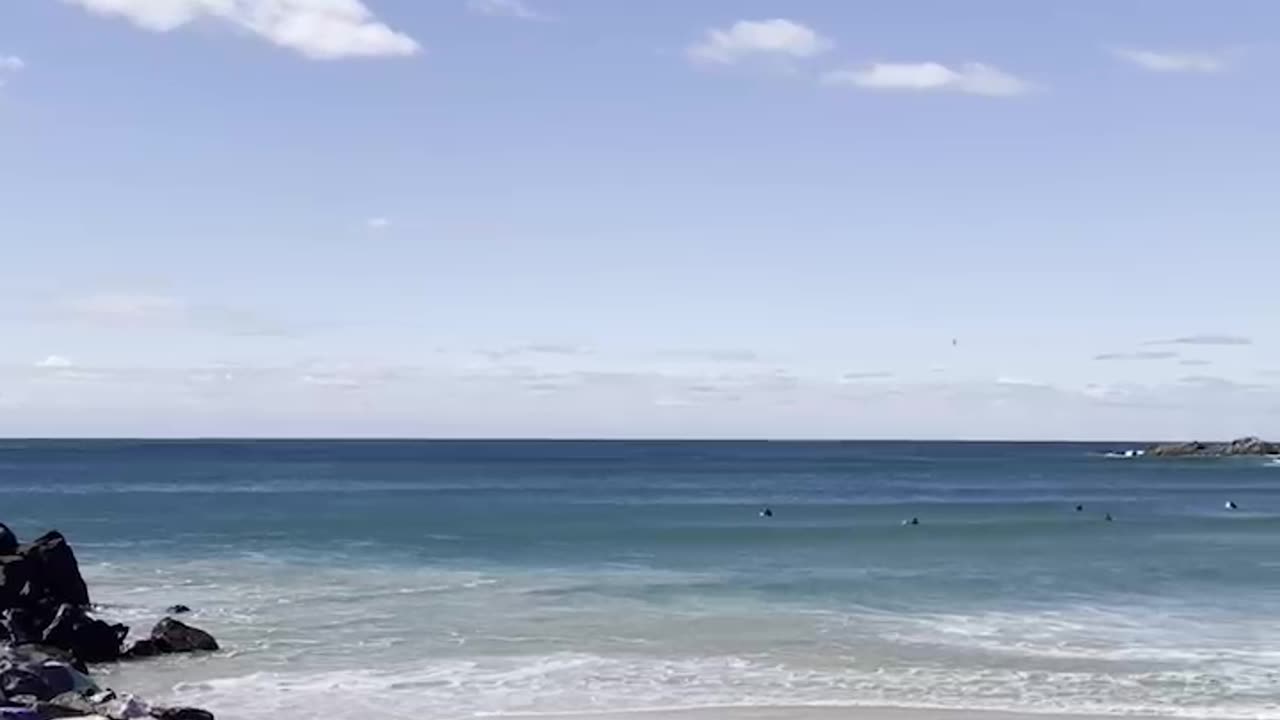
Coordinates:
766	513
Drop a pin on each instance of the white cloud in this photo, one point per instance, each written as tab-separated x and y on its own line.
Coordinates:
317	29
145	310
1205	339
54	362
760	38
504	8
1186	62
9	65
971	78
378	223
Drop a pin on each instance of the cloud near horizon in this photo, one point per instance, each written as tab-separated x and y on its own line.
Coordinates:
777	38
165	312
1175	62
1140	355
972	78
316	29
1209	339
516	9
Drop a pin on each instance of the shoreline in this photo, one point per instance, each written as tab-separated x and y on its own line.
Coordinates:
831	712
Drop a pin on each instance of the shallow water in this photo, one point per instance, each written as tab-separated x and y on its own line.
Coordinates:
451	580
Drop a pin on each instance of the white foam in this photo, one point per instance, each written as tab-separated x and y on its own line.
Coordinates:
580	683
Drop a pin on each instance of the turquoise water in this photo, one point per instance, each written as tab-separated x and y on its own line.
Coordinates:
457	579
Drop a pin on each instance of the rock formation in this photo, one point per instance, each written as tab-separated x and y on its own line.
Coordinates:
48	638
1239	447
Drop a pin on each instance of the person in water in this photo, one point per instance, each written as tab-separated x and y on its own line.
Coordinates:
912	521
1231	505
767	512
1079	508
1108	518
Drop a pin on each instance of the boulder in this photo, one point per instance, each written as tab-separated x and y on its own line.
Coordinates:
88	639
144	648
20	626
172	636
181	714
16	682
14	574
53	570
33	655
8	541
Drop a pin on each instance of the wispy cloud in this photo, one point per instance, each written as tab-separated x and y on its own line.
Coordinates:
54	362
153	311
1140	355
534	350
713	355
856	377
9	65
1194	362
1176	62
776	38
970	78
517	9
1206	339
378	223
317	29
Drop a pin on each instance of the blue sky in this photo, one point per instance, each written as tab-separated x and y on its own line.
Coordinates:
607	218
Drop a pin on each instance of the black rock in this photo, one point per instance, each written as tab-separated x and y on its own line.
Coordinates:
181	714
33	655
53	570
20	625
15	682
8	541
143	648
171	636
178	609
14	574
64	706
88	639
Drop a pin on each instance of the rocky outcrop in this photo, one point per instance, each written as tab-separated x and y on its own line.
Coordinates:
1240	447
48	637
171	636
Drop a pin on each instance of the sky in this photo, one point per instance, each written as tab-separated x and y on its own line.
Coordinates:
994	219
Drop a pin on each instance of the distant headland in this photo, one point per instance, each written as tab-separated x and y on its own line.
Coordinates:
1247	446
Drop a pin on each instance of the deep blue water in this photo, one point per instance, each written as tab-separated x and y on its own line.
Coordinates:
657	529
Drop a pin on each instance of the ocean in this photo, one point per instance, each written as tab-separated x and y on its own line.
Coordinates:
406	579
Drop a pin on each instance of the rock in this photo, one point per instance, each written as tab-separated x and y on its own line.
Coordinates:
1240	447
35	655
172	636
15	681
88	639
125	707
8	541
181	714
144	648
20	712
14	574
65	705
178	609
20	626
53	569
